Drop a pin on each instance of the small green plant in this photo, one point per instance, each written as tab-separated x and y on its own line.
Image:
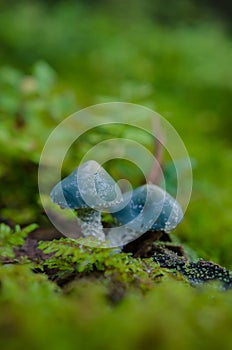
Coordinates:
67	255
10	239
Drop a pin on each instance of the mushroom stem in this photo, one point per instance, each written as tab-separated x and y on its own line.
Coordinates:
90	223
119	236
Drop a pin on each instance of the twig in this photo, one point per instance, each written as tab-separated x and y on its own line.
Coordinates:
156	172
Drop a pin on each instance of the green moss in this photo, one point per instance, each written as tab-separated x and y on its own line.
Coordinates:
71	257
36	314
85	297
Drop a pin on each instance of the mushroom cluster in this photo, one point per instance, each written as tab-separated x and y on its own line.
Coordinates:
89	189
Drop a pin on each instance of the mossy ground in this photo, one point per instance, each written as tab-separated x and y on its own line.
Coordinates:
61	294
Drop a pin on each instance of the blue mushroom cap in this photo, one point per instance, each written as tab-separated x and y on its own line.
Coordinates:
88	186
148	208
66	193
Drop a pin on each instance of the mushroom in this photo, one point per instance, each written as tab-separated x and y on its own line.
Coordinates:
147	208
89	189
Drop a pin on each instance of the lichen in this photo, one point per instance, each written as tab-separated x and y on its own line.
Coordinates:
197	272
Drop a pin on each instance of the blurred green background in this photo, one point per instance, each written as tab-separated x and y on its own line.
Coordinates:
175	57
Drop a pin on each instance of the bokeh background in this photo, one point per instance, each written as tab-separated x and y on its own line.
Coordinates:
175	57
